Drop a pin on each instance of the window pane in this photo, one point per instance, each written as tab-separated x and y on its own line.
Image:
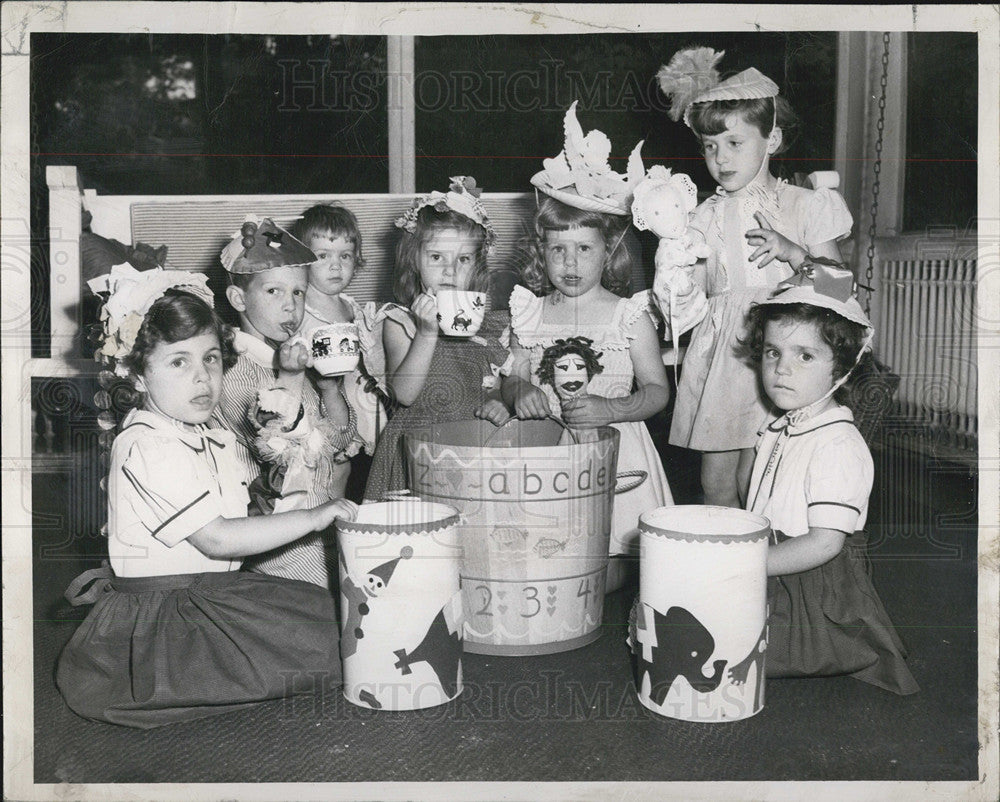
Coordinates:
206	114
492	106
203	114
941	130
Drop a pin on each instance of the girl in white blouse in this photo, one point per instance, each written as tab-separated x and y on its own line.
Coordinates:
811	478
178	632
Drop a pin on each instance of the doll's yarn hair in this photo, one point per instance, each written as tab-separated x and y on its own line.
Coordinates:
331	221
709	118
176	316
581	346
552	215
845	338
406	279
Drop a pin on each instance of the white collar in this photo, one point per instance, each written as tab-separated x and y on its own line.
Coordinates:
835	414
255	349
194	438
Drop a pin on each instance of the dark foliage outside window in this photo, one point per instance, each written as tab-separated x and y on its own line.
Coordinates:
492	106
941	131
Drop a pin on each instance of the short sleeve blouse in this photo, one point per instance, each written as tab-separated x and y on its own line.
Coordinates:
165	483
820	474
807	217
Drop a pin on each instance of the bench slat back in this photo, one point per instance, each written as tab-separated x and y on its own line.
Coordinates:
195	230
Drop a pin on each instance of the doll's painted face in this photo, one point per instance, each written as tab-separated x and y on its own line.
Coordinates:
570	376
665	212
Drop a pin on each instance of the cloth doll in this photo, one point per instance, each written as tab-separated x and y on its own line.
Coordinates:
662	204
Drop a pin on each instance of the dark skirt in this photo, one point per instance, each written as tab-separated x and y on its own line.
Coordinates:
829	621
157	650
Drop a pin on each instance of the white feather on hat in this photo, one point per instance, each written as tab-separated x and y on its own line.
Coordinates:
581	176
691	78
689	73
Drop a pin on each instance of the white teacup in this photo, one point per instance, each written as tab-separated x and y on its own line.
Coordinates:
460	312
335	348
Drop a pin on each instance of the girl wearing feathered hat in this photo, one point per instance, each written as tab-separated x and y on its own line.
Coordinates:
760	230
811	478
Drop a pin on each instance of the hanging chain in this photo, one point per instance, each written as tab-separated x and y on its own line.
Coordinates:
877	170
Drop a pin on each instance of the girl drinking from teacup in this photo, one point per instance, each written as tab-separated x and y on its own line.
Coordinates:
433	376
178	632
759	229
331	232
576	275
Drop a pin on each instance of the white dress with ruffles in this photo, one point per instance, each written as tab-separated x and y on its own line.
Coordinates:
720	405
612	339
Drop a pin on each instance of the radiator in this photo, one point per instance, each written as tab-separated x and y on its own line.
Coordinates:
925	332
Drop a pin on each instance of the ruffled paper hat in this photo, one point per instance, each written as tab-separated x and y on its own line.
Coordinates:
462	197
691	77
581	177
262	245
131	293
821	282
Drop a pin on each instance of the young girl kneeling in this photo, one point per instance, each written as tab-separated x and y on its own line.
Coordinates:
181	632
811	478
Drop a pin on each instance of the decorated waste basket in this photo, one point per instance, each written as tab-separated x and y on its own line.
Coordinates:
401	609
536	504
699	636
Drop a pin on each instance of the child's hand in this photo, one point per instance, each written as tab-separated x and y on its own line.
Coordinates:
495	411
531	402
424	309
294	356
326	514
772	245
586	412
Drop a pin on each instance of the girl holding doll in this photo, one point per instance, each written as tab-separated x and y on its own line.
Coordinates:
178	632
759	229
576	280
811	478
433	378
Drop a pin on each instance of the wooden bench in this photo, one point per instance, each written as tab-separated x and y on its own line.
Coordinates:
195	228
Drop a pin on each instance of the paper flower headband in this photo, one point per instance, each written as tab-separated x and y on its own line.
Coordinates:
462	197
691	77
580	176
131	293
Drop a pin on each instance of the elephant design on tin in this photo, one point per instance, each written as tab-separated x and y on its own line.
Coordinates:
677	645
738	672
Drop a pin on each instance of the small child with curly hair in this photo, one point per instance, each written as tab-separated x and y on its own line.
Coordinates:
446	237
178	632
811	478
